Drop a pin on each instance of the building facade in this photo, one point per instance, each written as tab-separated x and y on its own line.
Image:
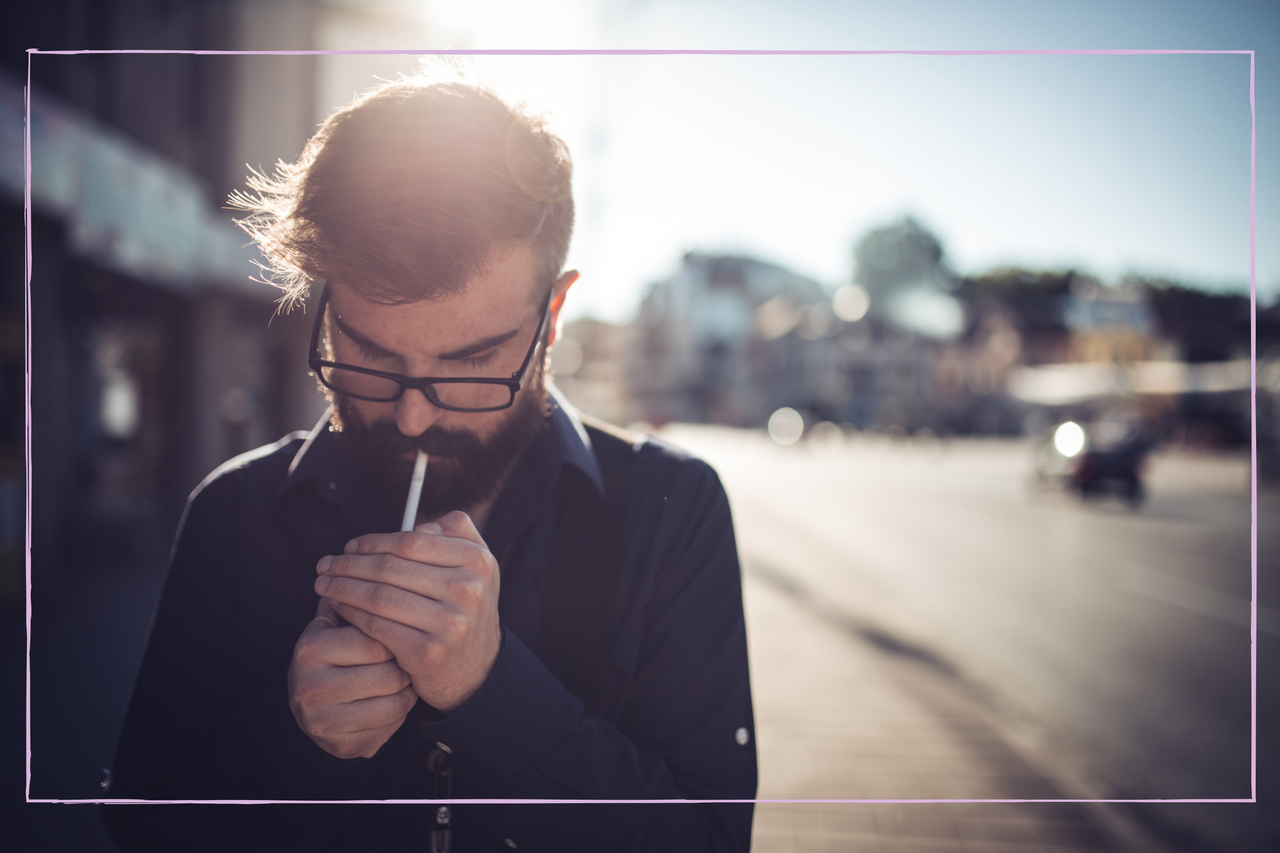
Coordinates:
155	354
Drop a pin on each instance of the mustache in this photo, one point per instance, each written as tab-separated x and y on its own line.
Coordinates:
434	441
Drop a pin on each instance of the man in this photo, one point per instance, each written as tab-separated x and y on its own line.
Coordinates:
564	622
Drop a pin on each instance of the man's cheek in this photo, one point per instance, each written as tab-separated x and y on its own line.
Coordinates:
373	414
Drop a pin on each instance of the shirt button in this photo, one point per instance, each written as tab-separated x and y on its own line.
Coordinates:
509	843
742	736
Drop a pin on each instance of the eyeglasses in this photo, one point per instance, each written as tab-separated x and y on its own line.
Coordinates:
451	393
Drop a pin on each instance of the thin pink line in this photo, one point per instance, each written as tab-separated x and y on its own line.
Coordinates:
548	802
26	321
470	52
594	52
1253	441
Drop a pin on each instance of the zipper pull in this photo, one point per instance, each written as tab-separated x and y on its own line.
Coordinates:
441	789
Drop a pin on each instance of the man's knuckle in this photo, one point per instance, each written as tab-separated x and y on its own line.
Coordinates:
305	651
384	676
386	564
455	521
454	626
469	592
384	595
318	722
373	651
388	683
432	651
309	692
480	562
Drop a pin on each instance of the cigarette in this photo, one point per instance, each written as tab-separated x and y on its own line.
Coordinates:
415	492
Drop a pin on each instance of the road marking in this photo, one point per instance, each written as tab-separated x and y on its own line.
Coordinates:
1195	597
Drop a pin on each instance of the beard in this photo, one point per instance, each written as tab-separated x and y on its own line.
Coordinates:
464	469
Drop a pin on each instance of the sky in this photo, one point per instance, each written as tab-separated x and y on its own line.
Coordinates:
1107	164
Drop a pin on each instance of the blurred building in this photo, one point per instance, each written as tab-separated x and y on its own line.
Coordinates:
909	346
1209	332
155	357
732	339
729	339
589	361
1268	392
1031	332
1174	359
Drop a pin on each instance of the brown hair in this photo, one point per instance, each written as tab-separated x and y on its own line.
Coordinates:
411	190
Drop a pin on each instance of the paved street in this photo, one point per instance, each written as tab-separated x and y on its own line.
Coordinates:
840	714
1107	648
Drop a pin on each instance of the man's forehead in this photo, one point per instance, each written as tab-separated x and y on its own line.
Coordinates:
490	310
510	280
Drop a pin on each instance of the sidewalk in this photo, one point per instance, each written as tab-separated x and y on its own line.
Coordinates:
841	714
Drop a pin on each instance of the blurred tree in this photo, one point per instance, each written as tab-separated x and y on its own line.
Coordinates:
903	269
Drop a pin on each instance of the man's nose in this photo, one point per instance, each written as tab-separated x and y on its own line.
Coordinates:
414	413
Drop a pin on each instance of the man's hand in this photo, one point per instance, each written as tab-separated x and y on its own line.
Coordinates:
345	689
430	595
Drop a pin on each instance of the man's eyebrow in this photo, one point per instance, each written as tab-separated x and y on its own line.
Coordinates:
478	346
454	355
360	339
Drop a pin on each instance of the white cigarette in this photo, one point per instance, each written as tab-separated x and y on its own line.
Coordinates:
415	492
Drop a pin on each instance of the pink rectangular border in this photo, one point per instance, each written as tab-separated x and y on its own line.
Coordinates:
1253	387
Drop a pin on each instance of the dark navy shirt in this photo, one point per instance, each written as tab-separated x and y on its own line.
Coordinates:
209	716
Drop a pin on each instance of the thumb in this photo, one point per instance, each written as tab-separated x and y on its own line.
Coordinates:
326	615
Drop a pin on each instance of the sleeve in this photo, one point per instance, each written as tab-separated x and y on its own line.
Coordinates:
208	717
685	731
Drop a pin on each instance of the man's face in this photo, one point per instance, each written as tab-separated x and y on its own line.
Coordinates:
484	331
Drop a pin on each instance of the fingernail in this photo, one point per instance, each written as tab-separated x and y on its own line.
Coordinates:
322	583
430	527
322	567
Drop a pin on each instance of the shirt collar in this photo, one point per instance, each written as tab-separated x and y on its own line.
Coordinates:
571	437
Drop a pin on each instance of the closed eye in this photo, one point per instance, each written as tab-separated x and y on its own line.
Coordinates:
372	354
478	360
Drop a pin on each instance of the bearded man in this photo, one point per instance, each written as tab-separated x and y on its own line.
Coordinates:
562	622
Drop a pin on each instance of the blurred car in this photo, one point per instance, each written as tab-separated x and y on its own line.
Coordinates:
1104	457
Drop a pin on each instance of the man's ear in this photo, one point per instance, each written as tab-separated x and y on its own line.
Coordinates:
559	291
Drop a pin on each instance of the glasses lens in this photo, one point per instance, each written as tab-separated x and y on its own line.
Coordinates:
461	395
359	384
473	395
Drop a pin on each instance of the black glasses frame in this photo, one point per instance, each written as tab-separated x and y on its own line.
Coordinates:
425	384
